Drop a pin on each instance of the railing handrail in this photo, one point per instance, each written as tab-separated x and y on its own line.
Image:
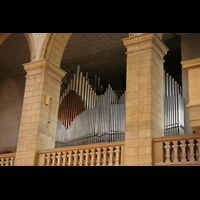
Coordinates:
176	138
7	155
82	147
96	154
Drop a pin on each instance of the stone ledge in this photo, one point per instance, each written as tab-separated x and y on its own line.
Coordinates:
191	64
45	66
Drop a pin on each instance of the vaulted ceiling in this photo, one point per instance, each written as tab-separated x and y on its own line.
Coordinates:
13	53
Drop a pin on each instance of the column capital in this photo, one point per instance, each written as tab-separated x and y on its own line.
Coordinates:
145	42
191	64
44	66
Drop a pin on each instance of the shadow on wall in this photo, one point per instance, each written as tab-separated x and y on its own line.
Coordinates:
11	99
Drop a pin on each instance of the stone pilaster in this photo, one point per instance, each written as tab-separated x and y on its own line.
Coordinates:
144	97
192	67
38	121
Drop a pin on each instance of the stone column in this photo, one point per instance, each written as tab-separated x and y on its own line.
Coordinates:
192	67
144	96
38	121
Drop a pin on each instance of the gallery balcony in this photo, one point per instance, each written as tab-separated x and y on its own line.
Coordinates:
179	150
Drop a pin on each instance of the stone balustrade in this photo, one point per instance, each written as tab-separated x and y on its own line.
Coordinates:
177	150
168	151
98	154
7	159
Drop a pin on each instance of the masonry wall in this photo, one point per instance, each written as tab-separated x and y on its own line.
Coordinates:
11	99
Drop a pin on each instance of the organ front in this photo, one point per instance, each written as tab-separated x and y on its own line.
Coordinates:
89	114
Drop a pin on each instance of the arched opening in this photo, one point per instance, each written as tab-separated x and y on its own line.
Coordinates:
102	61
14	51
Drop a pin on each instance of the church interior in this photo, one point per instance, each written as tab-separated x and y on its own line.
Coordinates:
92	98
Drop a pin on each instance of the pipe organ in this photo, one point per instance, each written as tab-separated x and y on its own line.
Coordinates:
87	115
173	107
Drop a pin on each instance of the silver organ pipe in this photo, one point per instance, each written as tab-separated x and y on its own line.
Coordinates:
88	96
83	88
173	107
85	96
77	78
80	84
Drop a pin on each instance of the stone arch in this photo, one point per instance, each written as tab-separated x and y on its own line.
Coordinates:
53	47
29	37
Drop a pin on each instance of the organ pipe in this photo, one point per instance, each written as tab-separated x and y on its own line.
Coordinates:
173	107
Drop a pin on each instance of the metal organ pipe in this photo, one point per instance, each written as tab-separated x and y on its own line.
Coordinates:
80	84
173	107
77	78
83	88
86	89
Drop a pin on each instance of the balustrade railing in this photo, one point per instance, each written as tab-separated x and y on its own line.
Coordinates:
177	150
7	159
98	154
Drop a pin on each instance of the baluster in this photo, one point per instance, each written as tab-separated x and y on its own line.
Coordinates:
117	154
175	147
53	159
69	158
98	162
11	161
87	154
81	156
191	150
64	157
58	159
183	148
75	155
171	152
7	161
93	154
105	155
48	158
111	153
195	150
167	149
198	147
2	162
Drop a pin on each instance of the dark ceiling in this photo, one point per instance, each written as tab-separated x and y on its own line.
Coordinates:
173	58
13	53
